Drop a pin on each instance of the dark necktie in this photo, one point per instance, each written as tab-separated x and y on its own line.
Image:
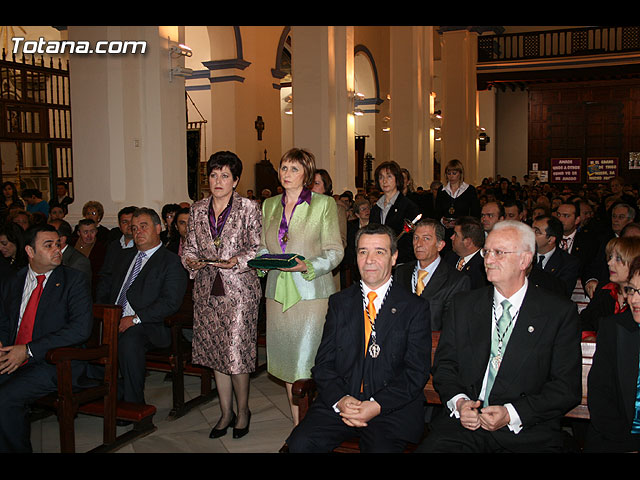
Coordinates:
29	316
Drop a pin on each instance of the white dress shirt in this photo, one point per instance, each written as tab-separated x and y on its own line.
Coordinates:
30	284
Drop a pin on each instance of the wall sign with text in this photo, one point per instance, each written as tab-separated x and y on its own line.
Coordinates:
566	170
601	169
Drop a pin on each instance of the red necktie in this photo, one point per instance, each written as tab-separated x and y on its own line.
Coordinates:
26	325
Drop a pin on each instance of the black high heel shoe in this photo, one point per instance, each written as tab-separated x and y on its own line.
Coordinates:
241	432
221	432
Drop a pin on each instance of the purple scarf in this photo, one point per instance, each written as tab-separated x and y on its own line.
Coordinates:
217	225
305	196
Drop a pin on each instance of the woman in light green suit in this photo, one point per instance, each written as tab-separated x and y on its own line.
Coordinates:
298	221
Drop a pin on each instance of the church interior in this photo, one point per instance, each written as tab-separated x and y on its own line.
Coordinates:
559	104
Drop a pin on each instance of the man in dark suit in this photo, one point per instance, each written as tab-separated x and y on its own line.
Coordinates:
508	363
582	244
70	255
370	368
149	282
120	238
429	276
550	257
44	306
62	198
467	240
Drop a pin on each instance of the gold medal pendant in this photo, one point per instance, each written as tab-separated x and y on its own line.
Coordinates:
285	238
217	242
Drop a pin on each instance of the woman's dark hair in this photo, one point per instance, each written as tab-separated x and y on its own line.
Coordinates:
167	209
173	230
394	169
14	196
221	159
326	181
16	235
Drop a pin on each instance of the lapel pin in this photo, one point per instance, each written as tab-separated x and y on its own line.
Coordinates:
57	284
393	310
531	329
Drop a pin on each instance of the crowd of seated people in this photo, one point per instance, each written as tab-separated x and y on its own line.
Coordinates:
586	250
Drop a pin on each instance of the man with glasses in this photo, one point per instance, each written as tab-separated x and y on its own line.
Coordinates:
508	364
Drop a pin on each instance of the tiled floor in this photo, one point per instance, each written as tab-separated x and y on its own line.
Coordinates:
270	423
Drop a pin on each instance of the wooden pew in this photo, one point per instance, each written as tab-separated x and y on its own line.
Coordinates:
176	360
304	392
97	396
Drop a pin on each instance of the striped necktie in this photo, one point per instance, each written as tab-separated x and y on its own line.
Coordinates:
122	299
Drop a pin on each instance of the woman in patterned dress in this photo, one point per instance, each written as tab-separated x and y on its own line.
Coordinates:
222	235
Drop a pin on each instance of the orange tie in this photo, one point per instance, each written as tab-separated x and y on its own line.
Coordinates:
420	283
371	316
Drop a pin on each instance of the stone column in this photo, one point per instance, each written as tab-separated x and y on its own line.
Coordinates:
128	122
323	103
411	63
459	101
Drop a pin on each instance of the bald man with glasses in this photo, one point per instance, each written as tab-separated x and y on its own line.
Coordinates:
508	363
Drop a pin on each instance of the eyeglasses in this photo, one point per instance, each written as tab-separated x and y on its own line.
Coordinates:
629	290
497	253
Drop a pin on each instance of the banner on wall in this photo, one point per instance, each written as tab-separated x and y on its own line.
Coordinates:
601	169
566	170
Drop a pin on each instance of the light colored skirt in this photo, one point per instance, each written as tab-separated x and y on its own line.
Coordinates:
293	337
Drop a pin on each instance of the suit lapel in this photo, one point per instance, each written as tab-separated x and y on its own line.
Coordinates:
55	284
438	277
405	274
480	320
522	341
553	262
16	301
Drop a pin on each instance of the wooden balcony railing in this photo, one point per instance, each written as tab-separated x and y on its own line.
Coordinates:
558	43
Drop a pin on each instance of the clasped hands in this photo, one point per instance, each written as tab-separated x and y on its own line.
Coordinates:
12	357
490	418
356	413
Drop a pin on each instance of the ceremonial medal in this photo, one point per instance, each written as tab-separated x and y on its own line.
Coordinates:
452	210
495	361
374	350
217	242
285	238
